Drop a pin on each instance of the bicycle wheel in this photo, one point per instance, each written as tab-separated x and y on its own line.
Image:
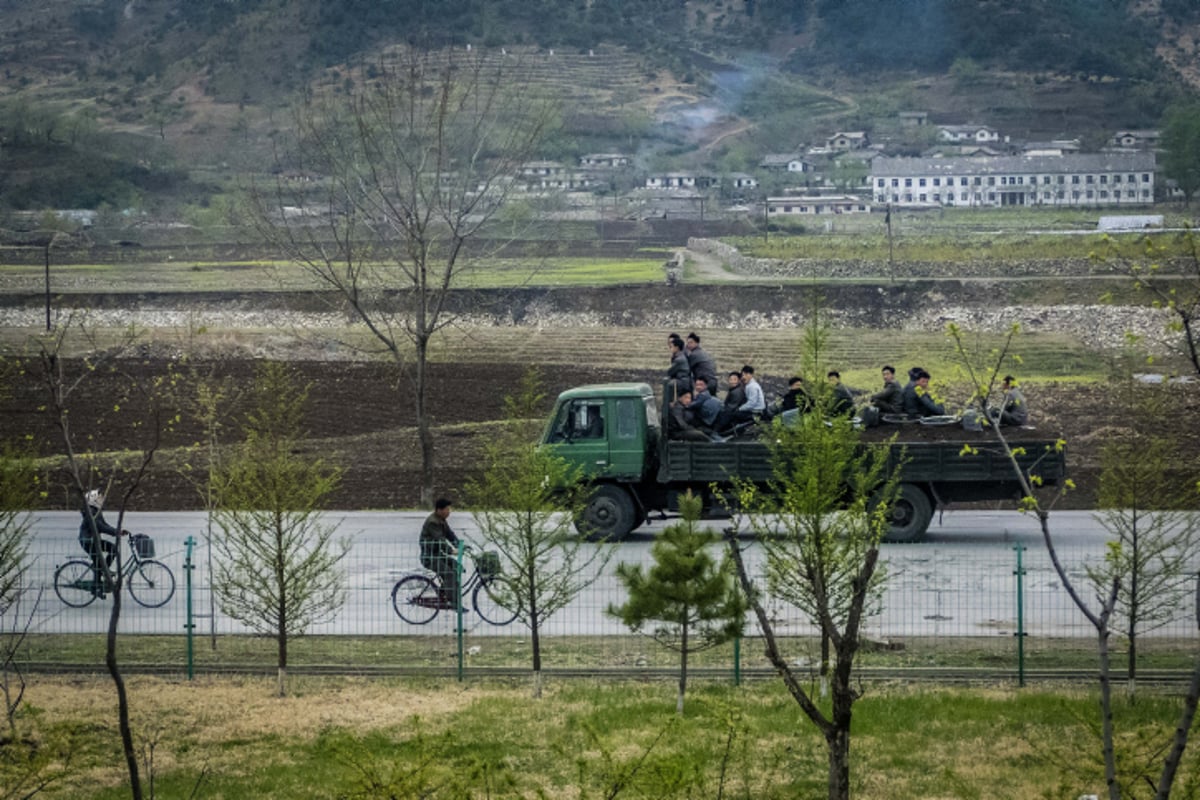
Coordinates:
75	582
495	601
151	583
415	598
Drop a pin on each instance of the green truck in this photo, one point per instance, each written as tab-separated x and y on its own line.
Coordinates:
614	433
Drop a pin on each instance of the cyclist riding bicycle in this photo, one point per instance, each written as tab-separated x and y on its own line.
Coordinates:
92	531
439	551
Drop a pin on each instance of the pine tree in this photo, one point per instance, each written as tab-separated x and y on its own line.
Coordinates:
687	601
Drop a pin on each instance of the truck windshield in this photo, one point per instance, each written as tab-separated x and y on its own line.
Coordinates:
578	419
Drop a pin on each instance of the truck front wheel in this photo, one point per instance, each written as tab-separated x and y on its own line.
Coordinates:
910	514
609	516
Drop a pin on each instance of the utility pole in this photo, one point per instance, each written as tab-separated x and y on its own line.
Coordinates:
887	219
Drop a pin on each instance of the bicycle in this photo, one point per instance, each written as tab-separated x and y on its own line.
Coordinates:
151	583
417	598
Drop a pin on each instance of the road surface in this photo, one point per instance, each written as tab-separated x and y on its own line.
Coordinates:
959	582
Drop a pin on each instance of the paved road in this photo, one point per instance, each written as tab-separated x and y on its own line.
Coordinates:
959	582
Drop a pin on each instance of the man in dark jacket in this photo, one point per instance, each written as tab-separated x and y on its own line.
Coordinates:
1013	411
679	426
679	373
700	361
92	531
704	406
889	399
735	395
918	402
841	399
439	551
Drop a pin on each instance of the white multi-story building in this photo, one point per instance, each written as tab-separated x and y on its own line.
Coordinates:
1079	179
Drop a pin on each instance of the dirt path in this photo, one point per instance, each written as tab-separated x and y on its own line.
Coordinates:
707	267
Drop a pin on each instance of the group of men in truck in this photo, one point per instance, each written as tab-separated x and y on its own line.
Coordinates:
694	412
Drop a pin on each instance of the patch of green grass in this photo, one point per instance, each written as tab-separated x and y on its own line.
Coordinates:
509	650
623	739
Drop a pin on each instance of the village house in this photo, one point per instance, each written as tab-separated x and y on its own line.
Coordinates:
980	134
847	140
913	119
1080	179
816	206
1135	140
1055	147
681	180
605	161
740	180
541	168
960	150
785	162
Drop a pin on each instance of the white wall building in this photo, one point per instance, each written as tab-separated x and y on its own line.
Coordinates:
1080	179
814	206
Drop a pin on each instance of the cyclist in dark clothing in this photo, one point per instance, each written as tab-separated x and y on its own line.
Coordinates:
439	551
92	531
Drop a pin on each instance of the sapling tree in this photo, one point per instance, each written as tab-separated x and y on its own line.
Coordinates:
1099	613
1146	508
526	498
820	518
63	379
687	600
278	567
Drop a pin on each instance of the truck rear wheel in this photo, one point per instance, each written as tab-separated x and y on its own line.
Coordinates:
909	516
609	516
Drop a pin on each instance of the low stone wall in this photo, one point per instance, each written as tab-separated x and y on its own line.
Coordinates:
860	268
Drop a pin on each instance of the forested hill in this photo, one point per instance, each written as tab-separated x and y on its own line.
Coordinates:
274	44
143	97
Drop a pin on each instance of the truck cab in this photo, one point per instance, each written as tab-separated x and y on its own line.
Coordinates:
611	432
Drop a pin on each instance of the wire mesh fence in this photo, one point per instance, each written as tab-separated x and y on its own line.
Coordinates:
956	605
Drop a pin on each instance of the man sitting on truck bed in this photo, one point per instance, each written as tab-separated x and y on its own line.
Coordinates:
755	403
704	407
918	402
735	395
889	399
678	424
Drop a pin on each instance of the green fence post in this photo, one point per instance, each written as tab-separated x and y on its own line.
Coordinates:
1020	573
458	569
189	625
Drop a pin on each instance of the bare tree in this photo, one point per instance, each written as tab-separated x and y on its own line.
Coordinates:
279	568
984	377
412	169
63	378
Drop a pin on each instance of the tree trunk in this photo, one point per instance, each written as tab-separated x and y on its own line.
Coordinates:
283	658
1134	614
1186	718
683	664
837	742
424	434
1106	718
535	640
110	660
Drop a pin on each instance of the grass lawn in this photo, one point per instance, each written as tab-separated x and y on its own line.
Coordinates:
385	738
